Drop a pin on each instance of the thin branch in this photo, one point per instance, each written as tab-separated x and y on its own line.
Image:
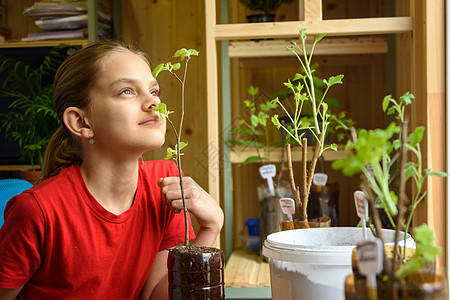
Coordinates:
294	188
403	199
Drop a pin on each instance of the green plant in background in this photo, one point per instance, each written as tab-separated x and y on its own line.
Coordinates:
381	155
303	88
266	6
31	120
257	125
184	55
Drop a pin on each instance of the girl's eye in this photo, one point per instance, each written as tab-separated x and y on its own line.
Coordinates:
126	91
154	93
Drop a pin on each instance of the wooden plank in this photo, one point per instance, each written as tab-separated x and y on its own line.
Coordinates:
364	26
212	108
49	43
328	46
239	154
313	10
15	167
246	270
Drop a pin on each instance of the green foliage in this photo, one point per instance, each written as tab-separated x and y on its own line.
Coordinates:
31	120
311	113
256	125
266	6
374	154
426	251
171	68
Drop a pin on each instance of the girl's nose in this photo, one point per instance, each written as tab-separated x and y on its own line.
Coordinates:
151	100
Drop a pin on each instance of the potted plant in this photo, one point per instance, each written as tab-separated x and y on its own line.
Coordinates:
266	9
389	159
318	121
31	120
255	130
194	272
312	262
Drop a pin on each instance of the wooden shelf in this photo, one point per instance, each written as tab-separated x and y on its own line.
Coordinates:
247	276
46	43
238	154
328	46
15	167
341	27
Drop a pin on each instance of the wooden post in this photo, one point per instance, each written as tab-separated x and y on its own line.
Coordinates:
313	10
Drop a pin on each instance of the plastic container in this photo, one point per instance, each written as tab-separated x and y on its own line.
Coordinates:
253	227
313	263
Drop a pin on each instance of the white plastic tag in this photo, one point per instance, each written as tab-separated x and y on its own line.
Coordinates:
370	259
287	206
320	179
268	171
361	205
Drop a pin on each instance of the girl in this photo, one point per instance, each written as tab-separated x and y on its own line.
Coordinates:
98	224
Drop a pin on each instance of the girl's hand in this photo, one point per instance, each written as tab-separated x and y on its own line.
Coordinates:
198	202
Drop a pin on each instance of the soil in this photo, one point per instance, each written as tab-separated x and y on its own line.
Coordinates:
196	272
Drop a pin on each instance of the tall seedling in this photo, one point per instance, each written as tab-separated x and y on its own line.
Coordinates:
184	55
303	89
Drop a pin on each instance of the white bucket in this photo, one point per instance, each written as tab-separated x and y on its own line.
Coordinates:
313	263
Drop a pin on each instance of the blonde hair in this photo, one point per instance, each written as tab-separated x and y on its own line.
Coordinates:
72	84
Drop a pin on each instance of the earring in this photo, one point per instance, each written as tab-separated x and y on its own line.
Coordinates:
91	140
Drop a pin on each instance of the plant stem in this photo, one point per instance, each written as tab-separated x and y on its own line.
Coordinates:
295	189
183	197
402	201
305	192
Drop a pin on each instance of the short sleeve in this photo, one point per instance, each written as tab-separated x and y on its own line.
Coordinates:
21	239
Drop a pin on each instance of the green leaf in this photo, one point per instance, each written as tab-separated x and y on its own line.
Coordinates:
319	38
333	147
439	174
406	98
276	121
416	137
386	102
157	70
255	120
170	153
334	80
249	103
251	159
253	90
183	145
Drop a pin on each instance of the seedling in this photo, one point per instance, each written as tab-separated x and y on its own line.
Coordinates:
184	55
381	155
303	89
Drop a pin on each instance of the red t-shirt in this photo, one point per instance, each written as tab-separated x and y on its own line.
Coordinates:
60	243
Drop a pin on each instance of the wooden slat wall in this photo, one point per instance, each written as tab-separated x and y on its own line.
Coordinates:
430	111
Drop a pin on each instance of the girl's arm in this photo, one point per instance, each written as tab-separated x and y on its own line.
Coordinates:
156	286
199	203
7	294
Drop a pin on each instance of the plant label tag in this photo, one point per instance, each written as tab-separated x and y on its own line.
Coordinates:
288	207
370	259
268	171
320	179
361	205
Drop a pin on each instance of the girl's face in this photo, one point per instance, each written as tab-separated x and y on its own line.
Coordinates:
119	111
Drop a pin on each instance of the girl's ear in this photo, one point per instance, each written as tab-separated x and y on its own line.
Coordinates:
75	120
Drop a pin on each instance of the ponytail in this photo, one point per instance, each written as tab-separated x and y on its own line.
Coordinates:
62	151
